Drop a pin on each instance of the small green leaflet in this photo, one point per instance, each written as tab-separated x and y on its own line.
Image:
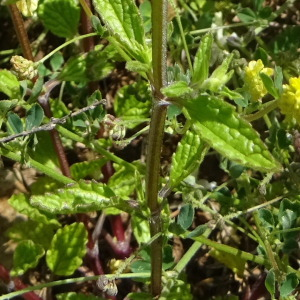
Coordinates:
221	127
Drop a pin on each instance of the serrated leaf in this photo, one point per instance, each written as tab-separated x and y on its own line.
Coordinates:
9	84
186	216
221	127
76	198
77	296
34	116
269	84
133	102
141	229
189	154
177	89
136	66
39	233
20	203
290	283
87	168
270	282
61	17
202	60
124	23
26	256
14	123
68	246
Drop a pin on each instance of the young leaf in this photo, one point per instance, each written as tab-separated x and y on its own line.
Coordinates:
26	256
270	282
14	123
20	202
124	22
77	198
221	127
266	218
189	154
34	116
9	84
290	283
269	84
61	17
76	296
247	15
186	216
176	89
202	60
39	233
68	246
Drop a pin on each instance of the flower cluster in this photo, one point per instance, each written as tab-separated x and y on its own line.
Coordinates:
289	102
253	82
24	68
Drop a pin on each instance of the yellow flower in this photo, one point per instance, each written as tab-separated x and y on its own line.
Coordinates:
253	82
289	102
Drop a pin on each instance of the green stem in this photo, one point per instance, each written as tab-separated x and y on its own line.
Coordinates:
66	44
31	162
265	110
156	130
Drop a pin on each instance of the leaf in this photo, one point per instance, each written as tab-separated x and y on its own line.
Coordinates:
9	84
247	15
14	123
198	231
186	216
290	283
26	256
5	106
177	89
34	117
202	60
141	229
278	78
266	218
188	156
77	296
39	233
87	168
235	263
269	84
221	127
133	102
136	66
68	246
270	282
61	17
76	198
56	61
145	9
124	23
139	296
20	203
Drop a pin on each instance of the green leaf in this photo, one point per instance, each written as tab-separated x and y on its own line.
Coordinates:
141	229
77	296
177	89
202	60
278	78
186	216
188	156
266	218
20	203
247	15
197	231
270	282
76	198
14	123
290	283
124	23
61	17
136	66
133	102
26	256
139	296
87	168
145	9
9	84
5	106
56	61
269	84
221	127
39	233
34	116
68	246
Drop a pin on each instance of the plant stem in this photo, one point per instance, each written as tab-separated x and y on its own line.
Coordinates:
265	110
156	131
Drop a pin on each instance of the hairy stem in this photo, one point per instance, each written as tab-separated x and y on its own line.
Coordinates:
156	130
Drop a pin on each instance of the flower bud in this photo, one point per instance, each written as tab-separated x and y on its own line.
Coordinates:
24	68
